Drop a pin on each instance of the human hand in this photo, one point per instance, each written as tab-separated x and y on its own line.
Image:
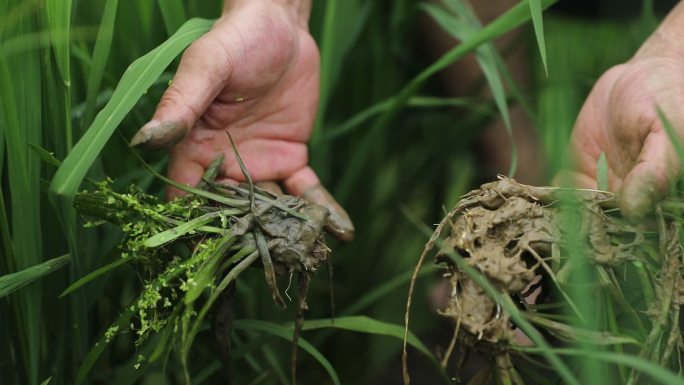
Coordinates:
255	75
620	119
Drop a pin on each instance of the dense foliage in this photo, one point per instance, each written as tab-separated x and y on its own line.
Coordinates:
392	141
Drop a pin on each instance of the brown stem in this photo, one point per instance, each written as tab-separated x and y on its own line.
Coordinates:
304	281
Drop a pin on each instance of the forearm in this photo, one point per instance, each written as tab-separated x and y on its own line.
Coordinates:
668	38
301	9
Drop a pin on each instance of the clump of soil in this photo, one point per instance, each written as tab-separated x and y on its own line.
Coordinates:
511	234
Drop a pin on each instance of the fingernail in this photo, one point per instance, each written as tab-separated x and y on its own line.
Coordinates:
156	134
339	223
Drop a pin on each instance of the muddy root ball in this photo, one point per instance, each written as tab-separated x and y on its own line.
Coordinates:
510	232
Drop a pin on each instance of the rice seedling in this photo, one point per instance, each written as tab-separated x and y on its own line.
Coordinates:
202	241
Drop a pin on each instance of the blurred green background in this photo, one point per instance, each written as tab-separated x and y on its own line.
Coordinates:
420	160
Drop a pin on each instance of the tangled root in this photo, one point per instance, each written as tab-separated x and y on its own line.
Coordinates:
511	234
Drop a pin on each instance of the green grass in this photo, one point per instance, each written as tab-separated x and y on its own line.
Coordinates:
387	137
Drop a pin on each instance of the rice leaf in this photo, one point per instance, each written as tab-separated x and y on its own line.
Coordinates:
103	44
602	172
381	291
364	324
180	230
59	20
94	354
663	375
102	270
189	337
15	281
361	117
463	28
204	277
342	25
135	81
572	333
5	236
212	368
47	381
21	85
275	364
120	324
672	134
538	23
514	17
47	156
286	333
173	14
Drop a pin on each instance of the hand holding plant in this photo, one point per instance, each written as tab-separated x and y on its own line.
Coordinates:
255	74
620	119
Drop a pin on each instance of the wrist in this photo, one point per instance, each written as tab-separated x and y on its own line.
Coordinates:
668	39
299	10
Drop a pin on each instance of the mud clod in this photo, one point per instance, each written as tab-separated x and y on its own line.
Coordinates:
521	238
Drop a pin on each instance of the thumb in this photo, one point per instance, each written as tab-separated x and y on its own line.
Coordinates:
305	183
202	73
649	180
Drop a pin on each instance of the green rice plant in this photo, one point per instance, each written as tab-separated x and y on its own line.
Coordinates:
64	88
218	240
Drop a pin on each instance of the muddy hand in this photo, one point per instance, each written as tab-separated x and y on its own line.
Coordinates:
256	75
620	119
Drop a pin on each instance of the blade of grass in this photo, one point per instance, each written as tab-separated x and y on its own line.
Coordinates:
655	371
135	81
380	292
184	228
45	155
121	324
338	37
94	354
84	280
173	14
20	106
361	117
275	364
286	333
538	23
571	333
15	281
672	134
504	23
103	45
583	271
602	172
32	41
59	20
58	14
189	336
464	28
364	324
